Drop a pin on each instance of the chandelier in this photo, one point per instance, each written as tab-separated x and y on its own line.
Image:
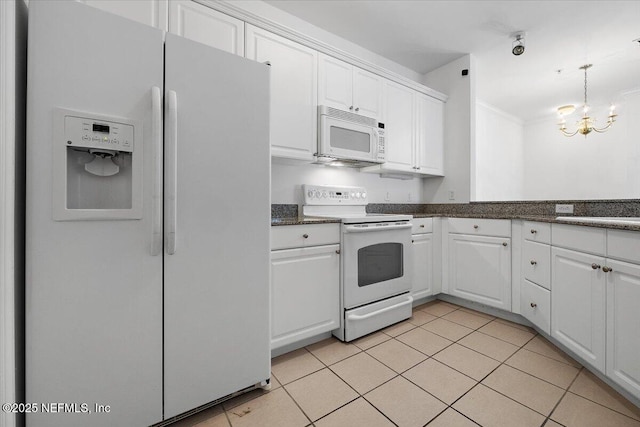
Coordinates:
586	123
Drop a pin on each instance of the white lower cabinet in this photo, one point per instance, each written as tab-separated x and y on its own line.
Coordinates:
535	305
623	324
480	269
422	246
578	304
305	293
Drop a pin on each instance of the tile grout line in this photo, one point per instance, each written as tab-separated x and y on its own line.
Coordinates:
562	397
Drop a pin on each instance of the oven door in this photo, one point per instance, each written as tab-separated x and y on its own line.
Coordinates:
376	262
346	140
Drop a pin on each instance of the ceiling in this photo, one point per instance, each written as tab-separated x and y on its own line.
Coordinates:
423	35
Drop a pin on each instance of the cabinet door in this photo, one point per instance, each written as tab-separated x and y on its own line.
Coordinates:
422	265
623	322
429	135
305	293
335	83
148	12
398	119
294	78
202	24
480	269
578	304
367	93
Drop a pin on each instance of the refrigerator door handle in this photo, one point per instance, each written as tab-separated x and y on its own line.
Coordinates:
171	177
156	141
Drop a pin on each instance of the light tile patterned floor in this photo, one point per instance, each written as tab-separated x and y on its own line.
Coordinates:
447	366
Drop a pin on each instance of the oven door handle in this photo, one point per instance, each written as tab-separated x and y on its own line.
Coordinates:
352	316
359	229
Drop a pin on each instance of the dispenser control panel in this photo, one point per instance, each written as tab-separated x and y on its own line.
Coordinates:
89	133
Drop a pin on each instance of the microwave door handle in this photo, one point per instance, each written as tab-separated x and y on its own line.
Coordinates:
356	229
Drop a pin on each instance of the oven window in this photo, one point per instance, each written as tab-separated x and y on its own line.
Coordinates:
348	139
377	263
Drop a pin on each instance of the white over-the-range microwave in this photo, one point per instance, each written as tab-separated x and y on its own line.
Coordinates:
349	139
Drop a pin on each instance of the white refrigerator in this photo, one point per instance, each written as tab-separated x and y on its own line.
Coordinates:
147	228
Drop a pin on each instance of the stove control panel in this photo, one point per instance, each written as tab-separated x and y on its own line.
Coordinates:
334	195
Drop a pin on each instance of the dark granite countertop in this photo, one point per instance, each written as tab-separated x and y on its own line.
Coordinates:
537	218
301	221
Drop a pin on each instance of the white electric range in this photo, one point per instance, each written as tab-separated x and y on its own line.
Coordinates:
375	267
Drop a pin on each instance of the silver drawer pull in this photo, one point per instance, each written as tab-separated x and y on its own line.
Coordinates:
338	251
475	226
534	305
533	231
504	243
607	269
306	236
595	266
421	225
534	262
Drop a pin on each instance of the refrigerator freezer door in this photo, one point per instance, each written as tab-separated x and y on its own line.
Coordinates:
216	290
93	289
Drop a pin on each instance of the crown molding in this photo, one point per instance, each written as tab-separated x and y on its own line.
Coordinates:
234	10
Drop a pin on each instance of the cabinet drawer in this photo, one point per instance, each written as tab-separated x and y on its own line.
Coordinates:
537	231
293	236
535	305
422	225
536	263
583	239
623	245
481	227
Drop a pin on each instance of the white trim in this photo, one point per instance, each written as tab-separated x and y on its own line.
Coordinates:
7	208
236	11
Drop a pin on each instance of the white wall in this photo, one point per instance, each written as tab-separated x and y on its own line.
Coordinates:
600	166
499	160
459	132
287	180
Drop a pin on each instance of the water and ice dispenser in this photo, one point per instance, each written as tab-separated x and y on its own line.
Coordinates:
97	167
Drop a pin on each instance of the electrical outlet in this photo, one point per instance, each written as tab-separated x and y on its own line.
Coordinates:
567	209
452	195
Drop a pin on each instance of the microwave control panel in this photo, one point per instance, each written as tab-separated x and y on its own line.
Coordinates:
334	195
381	142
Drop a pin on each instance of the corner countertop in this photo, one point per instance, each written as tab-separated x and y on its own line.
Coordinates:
537	218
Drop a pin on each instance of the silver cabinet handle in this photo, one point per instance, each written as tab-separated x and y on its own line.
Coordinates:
607	269
534	262
357	108
351	108
595	266
338	251
504	243
475	227
421	225
534	305
306	236
533	231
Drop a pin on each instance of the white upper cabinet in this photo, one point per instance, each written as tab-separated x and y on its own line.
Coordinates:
149	12
430	135
399	121
294	101
414	125
349	88
205	25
